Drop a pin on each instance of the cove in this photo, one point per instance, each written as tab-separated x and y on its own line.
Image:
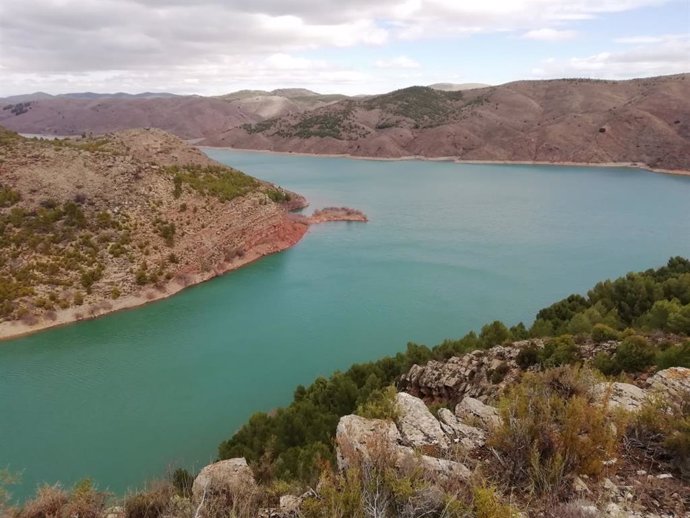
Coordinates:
448	248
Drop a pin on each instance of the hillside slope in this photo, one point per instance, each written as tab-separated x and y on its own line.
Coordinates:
188	117
88	226
646	121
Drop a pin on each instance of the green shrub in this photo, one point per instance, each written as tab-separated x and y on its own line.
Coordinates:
605	364
634	354
560	351
674	356
381	404
528	356
487	504
604	333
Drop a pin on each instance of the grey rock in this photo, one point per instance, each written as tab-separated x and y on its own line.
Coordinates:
619	395
469	436
230	477
471	410
417	425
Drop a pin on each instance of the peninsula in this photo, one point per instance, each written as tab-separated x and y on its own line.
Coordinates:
89	226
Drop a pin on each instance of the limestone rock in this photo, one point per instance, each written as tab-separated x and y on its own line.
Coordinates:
361	440
358	437
230	477
673	383
471	410
619	395
459	432
417	425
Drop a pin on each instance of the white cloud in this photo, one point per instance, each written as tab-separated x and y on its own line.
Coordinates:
76	42
549	35
398	62
669	54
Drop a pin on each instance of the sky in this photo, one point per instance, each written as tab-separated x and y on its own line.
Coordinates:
211	47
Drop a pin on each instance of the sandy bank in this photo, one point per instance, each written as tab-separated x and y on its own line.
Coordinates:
421	158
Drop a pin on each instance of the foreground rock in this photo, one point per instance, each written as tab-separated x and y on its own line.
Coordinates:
230	477
418	427
622	396
422	444
673	383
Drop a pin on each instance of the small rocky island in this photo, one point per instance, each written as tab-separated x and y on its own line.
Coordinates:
336	214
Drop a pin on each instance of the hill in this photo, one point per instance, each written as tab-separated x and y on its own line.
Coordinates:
643	121
454	87
188	117
92	225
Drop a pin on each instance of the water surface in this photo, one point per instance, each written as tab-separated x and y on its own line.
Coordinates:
448	247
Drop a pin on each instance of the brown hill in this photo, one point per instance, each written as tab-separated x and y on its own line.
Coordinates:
646	121
88	226
187	117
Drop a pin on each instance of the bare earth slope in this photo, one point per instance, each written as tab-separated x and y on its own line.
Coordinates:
644	121
88	226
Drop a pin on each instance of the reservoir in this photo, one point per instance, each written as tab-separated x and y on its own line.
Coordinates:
448	247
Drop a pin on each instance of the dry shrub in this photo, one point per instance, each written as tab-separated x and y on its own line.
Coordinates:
663	429
150	503
551	430
85	501
48	503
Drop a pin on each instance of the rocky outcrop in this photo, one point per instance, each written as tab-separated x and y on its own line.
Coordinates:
418	440
468	436
617	395
337	214
472	410
227	477
673	383
468	375
418	427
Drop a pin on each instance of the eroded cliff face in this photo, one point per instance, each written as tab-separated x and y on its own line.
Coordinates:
94	225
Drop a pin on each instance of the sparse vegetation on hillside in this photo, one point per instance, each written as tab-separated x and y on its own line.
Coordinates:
423	105
109	224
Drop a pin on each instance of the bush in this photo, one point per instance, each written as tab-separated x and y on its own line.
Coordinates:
48	503
183	481
528	356
605	364
604	333
674	356
551	431
662	425
634	354
560	351
380	405
487	504
151	503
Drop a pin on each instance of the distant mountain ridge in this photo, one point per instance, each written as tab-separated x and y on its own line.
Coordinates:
643	121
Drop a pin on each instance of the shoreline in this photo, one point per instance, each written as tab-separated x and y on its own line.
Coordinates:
421	158
11	330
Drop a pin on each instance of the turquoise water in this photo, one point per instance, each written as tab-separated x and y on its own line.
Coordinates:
448	247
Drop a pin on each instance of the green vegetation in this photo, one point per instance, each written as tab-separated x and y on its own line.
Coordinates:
550	429
288	443
425	106
220	182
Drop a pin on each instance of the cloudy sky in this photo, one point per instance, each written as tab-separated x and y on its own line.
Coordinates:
348	46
